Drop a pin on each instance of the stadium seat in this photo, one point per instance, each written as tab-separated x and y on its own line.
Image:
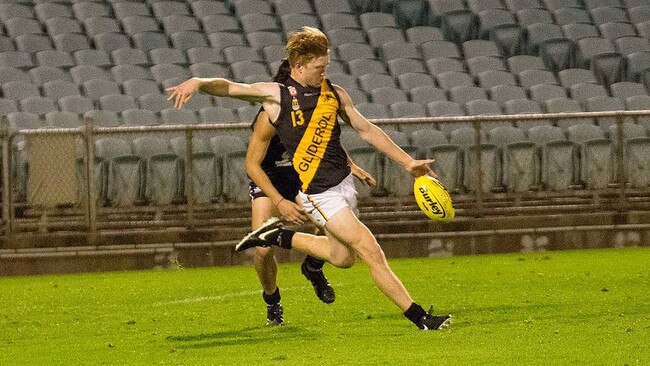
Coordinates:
584	91
124	175
204	54
162	9
76	104
517	64
184	40
370	81
93	57
483	107
604	103
505	92
231	151
116	102
629	45
426	94
121	73
557	157
543	92
477	65
84	10
425	137
123	9
63	120
421	34
163	172
176	23
519	158
434	49
528	78
57	89
243	7
525	106
168	56
149	40
410	80
438	65
387	95
460	25
32	43
130	56
17	90
206	171
37	105
96	88
135	24
360	67
450	79
562	105
46	11
444	108
373	110
490	167
154	102
490	78
217	115
570	77
639	102
625	89
339	20
61	25
465	93
103	118
140	117
596	155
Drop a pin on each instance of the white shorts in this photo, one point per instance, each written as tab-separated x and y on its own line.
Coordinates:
323	206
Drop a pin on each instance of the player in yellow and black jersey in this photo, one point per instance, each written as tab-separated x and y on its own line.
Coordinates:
327	195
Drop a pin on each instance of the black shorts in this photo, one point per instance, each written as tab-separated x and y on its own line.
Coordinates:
285	180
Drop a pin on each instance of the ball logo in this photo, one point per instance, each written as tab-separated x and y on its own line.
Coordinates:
433	206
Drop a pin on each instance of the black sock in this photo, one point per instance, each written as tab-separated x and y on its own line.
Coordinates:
314	264
284	238
415	313
273	298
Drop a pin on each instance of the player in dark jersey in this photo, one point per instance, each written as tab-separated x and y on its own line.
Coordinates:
277	166
305	118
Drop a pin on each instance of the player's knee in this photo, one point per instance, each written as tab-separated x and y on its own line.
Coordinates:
371	252
344	262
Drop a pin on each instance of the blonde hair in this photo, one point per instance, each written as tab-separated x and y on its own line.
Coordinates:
305	45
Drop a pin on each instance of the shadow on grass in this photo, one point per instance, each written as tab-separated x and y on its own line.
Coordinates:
245	336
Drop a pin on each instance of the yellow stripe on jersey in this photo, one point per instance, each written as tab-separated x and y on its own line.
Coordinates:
314	141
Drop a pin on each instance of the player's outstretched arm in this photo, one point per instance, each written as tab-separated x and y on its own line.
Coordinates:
266	93
379	139
257	146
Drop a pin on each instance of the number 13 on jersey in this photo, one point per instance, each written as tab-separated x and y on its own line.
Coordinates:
297	118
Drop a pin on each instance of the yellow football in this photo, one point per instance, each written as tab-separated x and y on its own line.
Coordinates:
433	199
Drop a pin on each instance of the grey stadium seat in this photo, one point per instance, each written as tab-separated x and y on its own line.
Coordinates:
519	158
96	88
525	106
595	153
163	172
565	105
116	102
76	104
57	89
557	157
124	172
140	117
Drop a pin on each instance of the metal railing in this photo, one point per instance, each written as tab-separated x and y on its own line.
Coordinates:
89	133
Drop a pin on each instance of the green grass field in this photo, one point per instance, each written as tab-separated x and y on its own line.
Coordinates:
557	308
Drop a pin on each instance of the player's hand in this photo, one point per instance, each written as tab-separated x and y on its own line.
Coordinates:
418	168
292	212
181	93
362	175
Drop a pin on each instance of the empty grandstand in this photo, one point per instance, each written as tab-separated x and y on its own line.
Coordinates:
98	167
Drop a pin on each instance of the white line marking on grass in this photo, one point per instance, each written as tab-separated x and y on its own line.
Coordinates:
208	298
228	295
